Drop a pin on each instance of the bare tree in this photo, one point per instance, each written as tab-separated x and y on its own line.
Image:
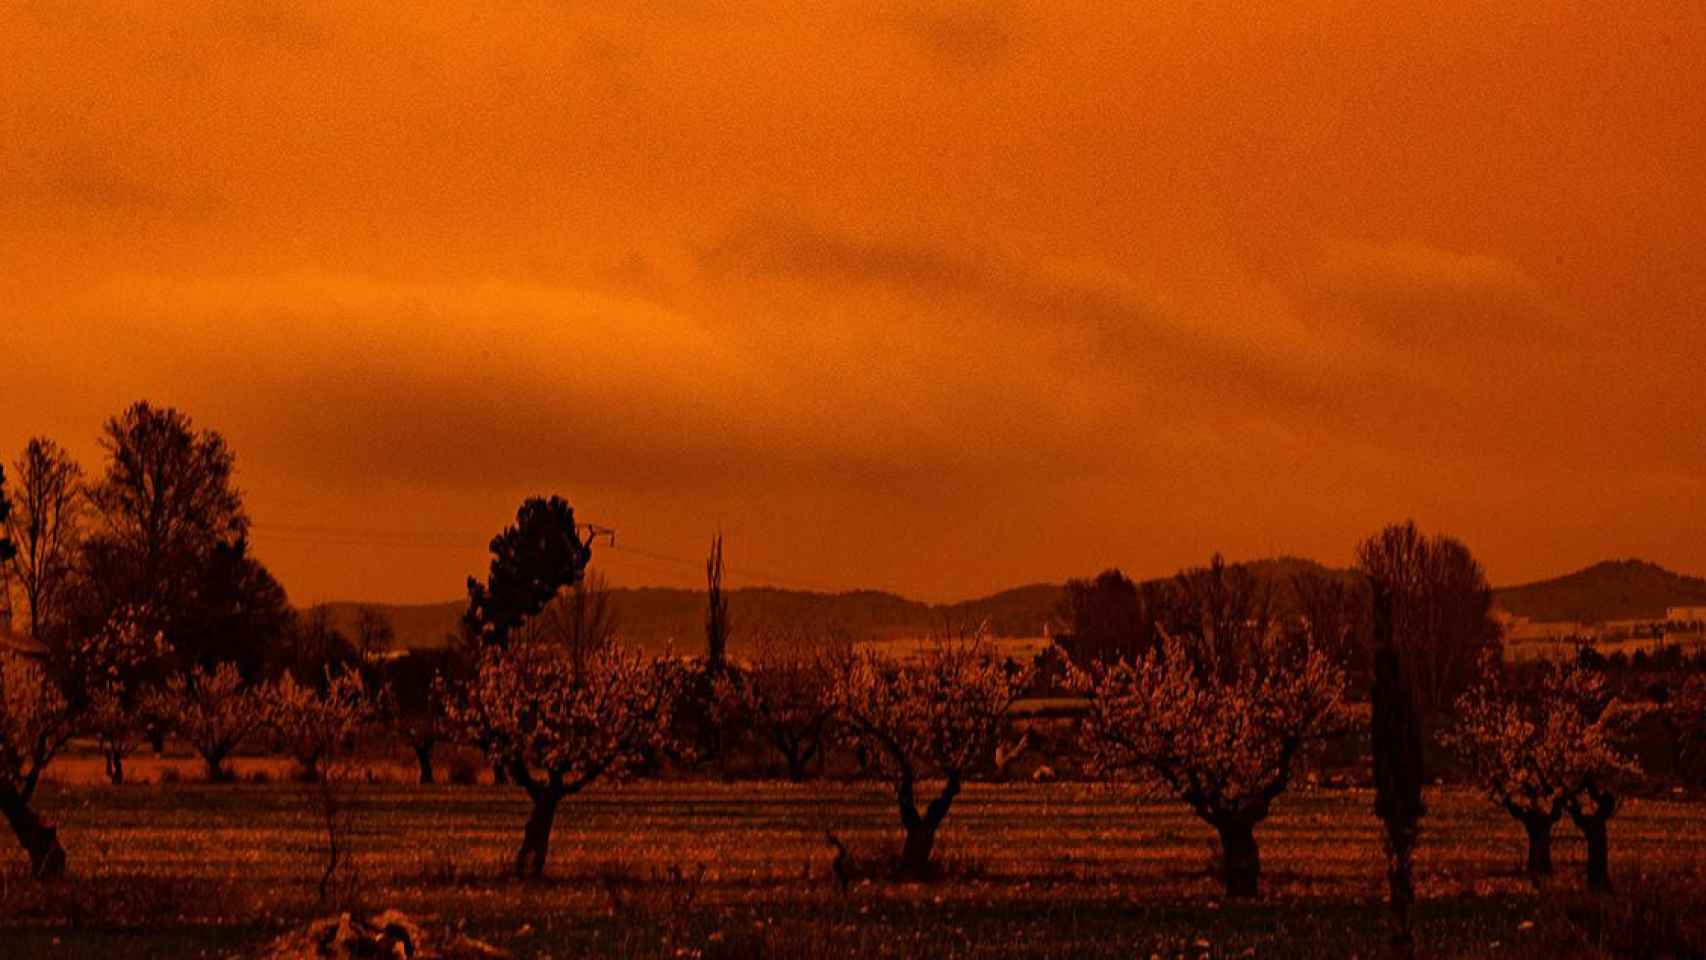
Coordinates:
940	714
783	695
411	703
45	527
1334	610
171	539
716	609
558	730
318	727
1442	625
579	620
374	635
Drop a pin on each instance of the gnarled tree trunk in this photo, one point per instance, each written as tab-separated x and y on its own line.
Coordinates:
423	758
115	767
1396	748
1593	822
1241	861
1539	829
218	770
921	829
38	838
536	838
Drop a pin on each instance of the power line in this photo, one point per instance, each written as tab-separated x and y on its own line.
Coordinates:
462	542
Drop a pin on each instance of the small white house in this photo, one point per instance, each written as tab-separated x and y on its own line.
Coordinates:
1695	614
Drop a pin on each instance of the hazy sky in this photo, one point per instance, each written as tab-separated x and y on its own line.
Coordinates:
934	296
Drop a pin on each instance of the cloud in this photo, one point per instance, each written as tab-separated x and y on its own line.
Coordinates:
1414	294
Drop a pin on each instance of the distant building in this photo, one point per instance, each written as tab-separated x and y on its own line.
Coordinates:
1696	614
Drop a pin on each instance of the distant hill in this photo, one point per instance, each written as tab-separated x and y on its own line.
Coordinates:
654	617
1612	590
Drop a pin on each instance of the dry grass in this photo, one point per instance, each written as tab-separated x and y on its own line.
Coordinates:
665	870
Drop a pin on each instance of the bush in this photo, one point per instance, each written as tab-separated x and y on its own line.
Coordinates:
464	771
1648	916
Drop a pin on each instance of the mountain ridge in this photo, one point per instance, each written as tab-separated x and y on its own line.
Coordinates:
653	617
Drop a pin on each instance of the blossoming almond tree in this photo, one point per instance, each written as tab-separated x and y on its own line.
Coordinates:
941	713
315	723
106	676
1222	736
557	729
43	701
214	711
318	727
35	721
1534	750
784	696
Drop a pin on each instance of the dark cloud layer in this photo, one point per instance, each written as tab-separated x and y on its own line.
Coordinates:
941	296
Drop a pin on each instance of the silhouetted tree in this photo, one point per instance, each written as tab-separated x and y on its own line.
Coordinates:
1227	611
1334	610
171	542
374	635
1442	625
8	549
316	646
532	560
412	703
580	620
1396	748
716	609
1103	617
45	528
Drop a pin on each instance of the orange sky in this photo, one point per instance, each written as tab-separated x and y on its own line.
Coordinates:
933	296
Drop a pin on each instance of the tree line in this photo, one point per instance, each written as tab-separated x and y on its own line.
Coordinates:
153	618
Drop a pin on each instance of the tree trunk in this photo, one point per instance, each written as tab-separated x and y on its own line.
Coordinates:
915	855
39	839
1539	847
1241	862
423	757
217	770
1593	822
1400	880
797	761
1599	860
921	830
115	767
536	839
